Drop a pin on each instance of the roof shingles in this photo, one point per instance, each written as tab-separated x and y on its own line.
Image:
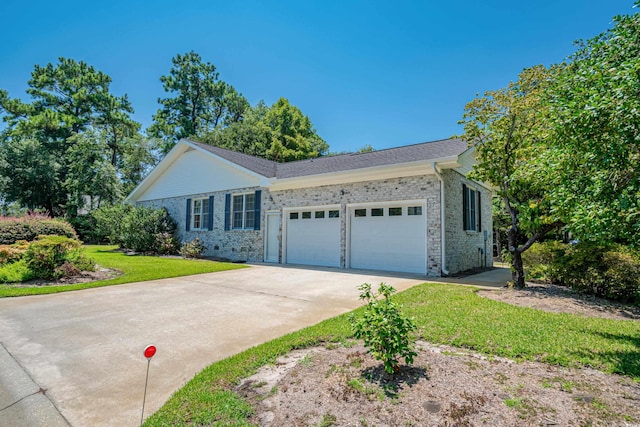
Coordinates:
345	162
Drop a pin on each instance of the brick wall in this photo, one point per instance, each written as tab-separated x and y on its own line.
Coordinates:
466	249
248	245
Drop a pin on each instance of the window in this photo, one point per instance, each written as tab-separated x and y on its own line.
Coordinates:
244	211
293	215
306	215
200	214
414	210
377	212
319	214
334	214
471	208
395	211
360	212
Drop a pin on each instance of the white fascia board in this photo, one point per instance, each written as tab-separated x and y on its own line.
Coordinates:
164	164
421	167
262	178
180	148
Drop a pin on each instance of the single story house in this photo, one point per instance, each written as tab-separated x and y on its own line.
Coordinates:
405	209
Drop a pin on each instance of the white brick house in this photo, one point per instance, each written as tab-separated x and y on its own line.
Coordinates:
406	209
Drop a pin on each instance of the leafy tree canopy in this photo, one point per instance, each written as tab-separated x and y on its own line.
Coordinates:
507	127
199	101
71	142
280	132
595	105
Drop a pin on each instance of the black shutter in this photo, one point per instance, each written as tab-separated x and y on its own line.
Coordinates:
210	223
464	207
479	208
256	216
188	222
227	211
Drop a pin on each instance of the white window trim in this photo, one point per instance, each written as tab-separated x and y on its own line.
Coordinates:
203	214
244	211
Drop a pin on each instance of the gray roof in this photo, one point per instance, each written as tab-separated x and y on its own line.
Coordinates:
425	151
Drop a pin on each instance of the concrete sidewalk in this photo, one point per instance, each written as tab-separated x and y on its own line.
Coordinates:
496	278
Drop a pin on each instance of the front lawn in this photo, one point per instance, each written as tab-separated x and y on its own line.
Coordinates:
445	314
135	268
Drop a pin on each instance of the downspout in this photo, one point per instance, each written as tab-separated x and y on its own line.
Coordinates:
443	256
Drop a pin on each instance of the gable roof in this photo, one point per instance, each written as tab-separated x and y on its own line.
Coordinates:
425	151
360	166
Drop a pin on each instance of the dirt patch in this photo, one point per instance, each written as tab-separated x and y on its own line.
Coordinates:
444	387
100	273
447	386
560	299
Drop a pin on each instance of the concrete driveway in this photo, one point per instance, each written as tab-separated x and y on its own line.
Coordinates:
76	358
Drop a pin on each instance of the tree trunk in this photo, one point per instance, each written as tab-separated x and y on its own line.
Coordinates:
517	269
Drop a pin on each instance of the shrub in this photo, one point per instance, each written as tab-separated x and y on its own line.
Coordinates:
539	260
605	270
385	331
134	227
167	244
46	256
192	249
15	272
85	226
109	222
12	253
29	227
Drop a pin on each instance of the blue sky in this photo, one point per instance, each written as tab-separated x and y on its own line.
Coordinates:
365	72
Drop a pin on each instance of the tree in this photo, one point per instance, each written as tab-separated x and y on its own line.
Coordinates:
29	175
508	127
200	102
70	104
293	137
596	114
91	179
280	132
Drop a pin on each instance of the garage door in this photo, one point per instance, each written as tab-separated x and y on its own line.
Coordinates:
389	237
313	237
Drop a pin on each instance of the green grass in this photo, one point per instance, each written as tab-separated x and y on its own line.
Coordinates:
135	268
445	314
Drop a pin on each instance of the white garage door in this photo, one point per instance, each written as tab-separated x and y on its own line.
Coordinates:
389	237
313	237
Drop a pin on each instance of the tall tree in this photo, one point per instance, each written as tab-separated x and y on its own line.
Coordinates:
91	179
199	101
29	175
280	132
508	127
596	113
293	137
68	100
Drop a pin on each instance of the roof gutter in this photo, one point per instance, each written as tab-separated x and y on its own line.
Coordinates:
443	255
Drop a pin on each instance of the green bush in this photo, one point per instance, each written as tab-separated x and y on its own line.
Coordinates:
109	222
85	226
605	270
385	331
29	227
15	272
135	227
46	257
539	260
192	249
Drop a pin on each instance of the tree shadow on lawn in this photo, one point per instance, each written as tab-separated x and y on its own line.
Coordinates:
624	362
393	384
